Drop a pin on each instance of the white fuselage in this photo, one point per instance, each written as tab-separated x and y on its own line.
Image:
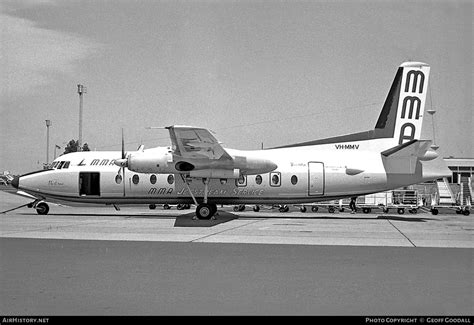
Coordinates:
304	174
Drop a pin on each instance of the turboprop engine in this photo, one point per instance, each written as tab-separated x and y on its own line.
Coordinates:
155	160
162	161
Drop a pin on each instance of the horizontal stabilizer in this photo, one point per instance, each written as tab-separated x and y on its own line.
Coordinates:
413	148
403	159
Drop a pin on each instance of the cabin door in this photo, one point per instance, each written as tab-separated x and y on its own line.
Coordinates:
315	178
89	183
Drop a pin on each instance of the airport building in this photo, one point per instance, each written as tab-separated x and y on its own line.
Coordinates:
459	185
456	190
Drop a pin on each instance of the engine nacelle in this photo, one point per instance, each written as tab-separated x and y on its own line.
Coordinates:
150	161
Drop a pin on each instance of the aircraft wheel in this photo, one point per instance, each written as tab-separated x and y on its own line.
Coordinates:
204	211
256	208
414	211
241	207
180	206
466	212
284	208
152	206
434	211
331	210
401	210
366	210
303	209
314	208
42	208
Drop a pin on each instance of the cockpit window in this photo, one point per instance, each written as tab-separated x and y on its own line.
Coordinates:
59	164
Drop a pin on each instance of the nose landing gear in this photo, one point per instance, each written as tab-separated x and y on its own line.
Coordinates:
42	208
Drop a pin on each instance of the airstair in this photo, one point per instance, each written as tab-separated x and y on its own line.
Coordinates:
445	194
466	191
446	198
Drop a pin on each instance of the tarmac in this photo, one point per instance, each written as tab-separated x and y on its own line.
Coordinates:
137	261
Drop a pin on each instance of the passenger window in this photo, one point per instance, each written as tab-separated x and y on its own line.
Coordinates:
258	179
294	179
241	181
170	179
135	179
118	179
275	179
153	179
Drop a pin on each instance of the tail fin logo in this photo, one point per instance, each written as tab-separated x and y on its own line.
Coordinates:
412	102
415	75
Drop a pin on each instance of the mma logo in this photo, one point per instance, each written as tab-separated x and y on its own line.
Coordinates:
411	105
415	75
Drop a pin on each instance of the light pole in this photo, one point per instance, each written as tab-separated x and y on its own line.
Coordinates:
56	147
48	124
80	90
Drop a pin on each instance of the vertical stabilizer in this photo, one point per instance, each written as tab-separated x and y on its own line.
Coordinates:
402	114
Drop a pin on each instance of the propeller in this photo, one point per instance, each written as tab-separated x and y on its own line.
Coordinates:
122	163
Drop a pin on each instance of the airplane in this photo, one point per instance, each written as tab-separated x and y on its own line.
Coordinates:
197	169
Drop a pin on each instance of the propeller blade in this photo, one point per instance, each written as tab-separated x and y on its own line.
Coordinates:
123	146
123	180
123	163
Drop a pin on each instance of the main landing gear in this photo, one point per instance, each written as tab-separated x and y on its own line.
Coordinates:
205	210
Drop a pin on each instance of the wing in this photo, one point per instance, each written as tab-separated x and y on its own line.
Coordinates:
196	143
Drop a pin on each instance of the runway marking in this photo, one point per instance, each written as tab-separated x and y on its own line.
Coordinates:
220	232
401	233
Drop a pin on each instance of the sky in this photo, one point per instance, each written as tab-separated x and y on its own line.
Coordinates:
255	72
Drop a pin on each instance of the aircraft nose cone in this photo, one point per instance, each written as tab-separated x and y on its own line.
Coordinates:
15	181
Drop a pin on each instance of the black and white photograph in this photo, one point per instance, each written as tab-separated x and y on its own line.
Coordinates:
237	158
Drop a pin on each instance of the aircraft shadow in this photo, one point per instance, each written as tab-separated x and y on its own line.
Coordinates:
190	220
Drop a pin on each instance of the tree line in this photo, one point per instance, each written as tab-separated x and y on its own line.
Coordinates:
73	146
